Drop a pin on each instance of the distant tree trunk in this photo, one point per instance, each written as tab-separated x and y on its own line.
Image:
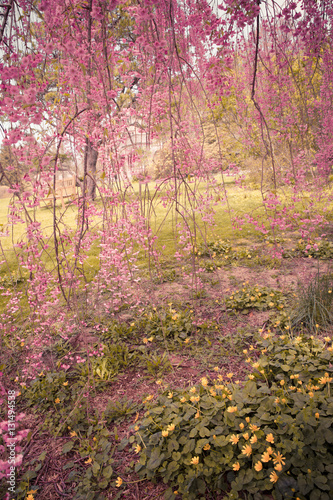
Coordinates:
90	166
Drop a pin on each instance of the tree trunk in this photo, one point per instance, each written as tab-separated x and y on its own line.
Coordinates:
90	167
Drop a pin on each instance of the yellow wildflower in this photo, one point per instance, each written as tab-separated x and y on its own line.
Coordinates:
88	461
278	467
317	415
204	381
232	409
195	461
247	450
230	375
207	446
72	434
279	459
57	400
171	427
170	395
247	419
241	426
65	383
193	390
265	457
234	439
119	482
165	434
254	428
137	448
246	436
253	439
270	438
236	466
29	497
273	477
269	450
258	466
183	400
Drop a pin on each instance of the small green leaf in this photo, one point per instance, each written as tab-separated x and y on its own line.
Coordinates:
67	447
95	468
107	472
155	459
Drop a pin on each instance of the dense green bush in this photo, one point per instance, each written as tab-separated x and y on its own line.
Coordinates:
273	434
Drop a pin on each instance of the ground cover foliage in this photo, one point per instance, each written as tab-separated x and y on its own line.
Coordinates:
223	408
165	240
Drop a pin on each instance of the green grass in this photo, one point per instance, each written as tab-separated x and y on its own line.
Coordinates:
163	222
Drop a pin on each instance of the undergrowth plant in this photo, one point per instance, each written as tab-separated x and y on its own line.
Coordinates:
62	399
255	297
272	434
314	306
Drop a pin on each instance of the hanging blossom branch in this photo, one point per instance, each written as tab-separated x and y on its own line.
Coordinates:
269	149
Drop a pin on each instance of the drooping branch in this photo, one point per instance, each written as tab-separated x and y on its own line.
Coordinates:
5	18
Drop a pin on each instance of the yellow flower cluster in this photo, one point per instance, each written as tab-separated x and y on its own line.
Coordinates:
269	455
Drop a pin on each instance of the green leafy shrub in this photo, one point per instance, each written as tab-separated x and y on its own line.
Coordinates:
213	248
274	434
255	297
211	266
44	391
169	324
